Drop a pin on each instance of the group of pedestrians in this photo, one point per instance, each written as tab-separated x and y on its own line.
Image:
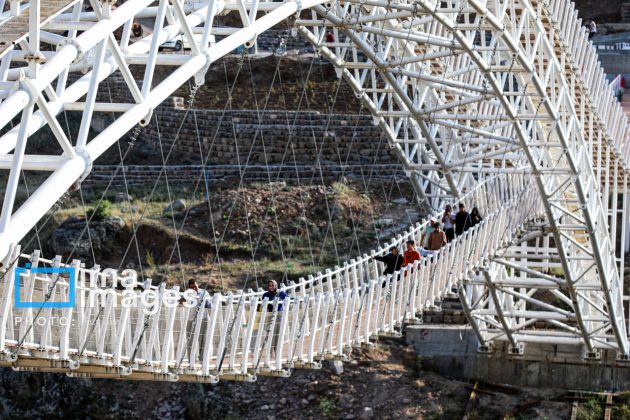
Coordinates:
458	223
435	235
271	327
394	261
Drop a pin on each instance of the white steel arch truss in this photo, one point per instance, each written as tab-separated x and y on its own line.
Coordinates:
508	48
463	89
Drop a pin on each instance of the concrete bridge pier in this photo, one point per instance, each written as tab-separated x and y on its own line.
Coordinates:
452	350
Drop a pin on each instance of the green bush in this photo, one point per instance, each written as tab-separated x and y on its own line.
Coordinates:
590	410
327	407
102	211
621	410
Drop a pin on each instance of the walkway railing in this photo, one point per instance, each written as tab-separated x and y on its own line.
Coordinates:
583	56
615	84
236	335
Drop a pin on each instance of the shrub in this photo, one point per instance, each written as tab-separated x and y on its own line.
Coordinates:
327	407
590	410
150	261
102	211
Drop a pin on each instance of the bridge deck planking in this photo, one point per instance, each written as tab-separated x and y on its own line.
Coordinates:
15	28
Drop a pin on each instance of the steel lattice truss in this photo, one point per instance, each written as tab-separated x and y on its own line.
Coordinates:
463	89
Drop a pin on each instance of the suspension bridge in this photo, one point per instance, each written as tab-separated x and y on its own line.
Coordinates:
499	104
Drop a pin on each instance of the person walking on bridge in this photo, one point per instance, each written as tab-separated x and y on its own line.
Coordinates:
203	299
411	254
393	261
448	220
275	298
475	217
462	220
426	232
272	293
203	304
437	239
591	27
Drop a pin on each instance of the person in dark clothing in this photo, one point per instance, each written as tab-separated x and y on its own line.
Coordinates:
462	220
272	324
273	293
136	29
201	294
448	221
591	27
475	217
393	261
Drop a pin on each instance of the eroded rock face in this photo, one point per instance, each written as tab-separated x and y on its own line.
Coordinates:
74	238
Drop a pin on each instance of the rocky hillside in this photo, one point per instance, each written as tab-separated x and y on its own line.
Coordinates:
387	381
290	230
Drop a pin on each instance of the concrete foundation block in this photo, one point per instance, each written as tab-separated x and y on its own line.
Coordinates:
452	350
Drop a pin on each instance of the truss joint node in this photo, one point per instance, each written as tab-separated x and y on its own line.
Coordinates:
8	356
343	357
368	345
208	379
73	42
623	357
120	369
274	372
314	365
244	377
200	76
485	348
517	350
26	85
450	294
88	163
166	377
592	356
36	57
